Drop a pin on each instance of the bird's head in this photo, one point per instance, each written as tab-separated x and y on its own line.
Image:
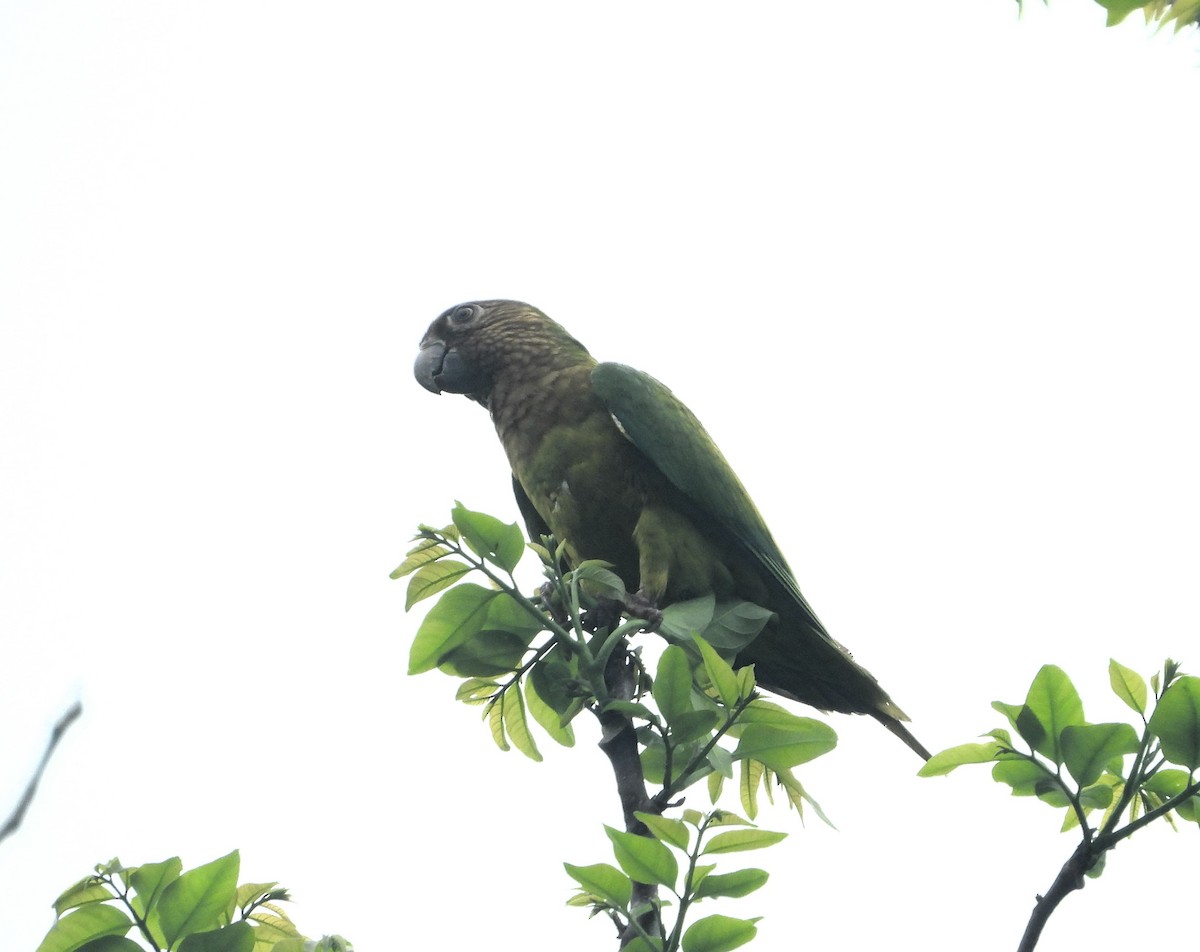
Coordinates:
471	345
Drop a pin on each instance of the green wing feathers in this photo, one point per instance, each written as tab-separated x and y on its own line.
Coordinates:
795	657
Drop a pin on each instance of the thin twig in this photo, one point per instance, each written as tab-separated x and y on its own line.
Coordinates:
619	742
1069	878
60	728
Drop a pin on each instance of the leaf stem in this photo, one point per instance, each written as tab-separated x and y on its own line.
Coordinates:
672	785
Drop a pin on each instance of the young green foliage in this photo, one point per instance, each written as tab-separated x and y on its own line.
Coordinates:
547	658
669	857
200	910
1114	767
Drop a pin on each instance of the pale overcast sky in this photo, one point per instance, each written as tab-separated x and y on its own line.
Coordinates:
926	272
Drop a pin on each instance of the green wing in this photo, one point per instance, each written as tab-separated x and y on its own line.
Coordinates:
797	658
671	437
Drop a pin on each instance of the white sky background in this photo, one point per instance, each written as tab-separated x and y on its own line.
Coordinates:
926	271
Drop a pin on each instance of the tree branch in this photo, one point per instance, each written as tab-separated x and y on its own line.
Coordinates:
60	728
619	742
1069	878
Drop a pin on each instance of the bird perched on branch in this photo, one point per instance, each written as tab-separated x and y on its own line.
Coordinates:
608	459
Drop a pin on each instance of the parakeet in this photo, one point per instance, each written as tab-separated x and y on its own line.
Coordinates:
608	459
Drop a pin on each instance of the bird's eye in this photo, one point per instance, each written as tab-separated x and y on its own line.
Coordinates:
464	313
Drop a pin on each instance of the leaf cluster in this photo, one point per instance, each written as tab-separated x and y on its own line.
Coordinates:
1133	772
541	658
1083	767
549	657
1180	12
200	910
656	859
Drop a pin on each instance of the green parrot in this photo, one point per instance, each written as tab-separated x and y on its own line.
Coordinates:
608	459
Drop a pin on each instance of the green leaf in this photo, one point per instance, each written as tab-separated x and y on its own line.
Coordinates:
546	716
494	713
727	818
598	580
1088	748
716	780
1128	685
1023	776
1054	703
783	748
238	937
735	841
720	673
506	614
721	762
699	872
489	653
732	885
558	684
1170	783
1011	711
327	943
654	759
631	709
672	832
646	860
249	892
111	943
457	617
746	681
603	881
718	934
759	711
681	620
476	690
692	725
735	624
945	761
752	772
428	551
1031	729
149	880
1096	797
673	684
270	929
88	889
432	579
1118	10
1176	722
489	538
514	722
798	796
1167	783
1049	791
199	900
84	924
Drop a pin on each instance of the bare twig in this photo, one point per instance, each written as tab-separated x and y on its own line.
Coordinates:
619	743
60	728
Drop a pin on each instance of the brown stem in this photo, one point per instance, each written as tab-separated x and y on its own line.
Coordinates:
60	728
619	743
1069	878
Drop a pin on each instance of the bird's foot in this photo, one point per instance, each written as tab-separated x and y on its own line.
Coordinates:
639	605
607	613
549	597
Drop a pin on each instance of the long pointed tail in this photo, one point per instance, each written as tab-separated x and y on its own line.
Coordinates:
902	732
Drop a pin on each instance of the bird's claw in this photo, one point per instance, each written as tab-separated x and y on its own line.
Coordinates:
549	596
639	605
